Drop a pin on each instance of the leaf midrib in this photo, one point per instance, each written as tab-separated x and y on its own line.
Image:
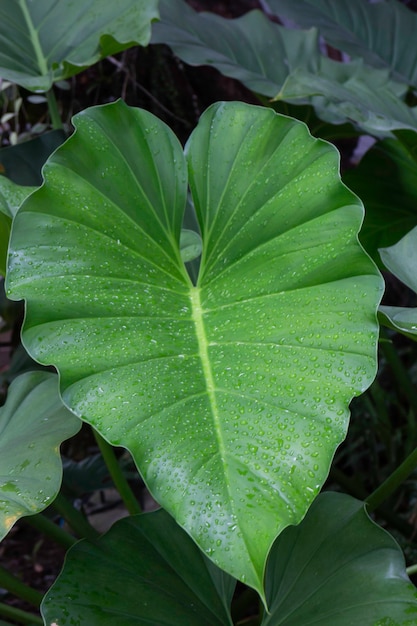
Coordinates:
34	37
197	316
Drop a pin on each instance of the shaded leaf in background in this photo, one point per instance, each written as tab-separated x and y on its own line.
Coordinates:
145	570
284	64
33	424
385	181
401	260
23	162
338	567
5	227
81	477
231	394
379	32
44	42
22	165
251	48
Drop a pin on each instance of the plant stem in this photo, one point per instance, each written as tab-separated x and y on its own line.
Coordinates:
392	482
51	530
53	109
411	570
19	616
74	518
399	371
117	475
19	589
357	491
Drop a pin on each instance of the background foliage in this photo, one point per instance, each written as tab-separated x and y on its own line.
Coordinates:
247	356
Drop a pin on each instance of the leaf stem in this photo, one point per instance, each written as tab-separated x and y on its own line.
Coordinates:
412	569
400	373
74	518
392	483
117	475
51	530
53	109
19	616
21	590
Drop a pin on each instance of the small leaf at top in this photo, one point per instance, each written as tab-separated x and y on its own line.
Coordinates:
44	42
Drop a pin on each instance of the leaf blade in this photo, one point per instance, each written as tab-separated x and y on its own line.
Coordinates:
180	374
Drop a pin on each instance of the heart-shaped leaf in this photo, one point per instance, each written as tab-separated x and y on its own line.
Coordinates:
43	42
144	571
401	260
33	423
232	393
338	567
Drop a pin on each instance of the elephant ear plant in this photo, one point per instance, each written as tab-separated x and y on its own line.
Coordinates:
231	391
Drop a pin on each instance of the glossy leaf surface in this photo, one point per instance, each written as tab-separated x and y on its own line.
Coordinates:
338	567
232	393
401	260
33	424
144	571
378	32
43	42
286	65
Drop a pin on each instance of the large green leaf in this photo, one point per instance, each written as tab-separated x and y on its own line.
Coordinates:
401	260
251	48
337	567
285	64
33	423
46	41
232	393
144	571
385	180
380	32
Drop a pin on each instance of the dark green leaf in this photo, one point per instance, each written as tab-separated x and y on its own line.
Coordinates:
23	163
385	180
144	571
338	568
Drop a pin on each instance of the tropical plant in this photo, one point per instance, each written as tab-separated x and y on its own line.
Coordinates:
210	310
